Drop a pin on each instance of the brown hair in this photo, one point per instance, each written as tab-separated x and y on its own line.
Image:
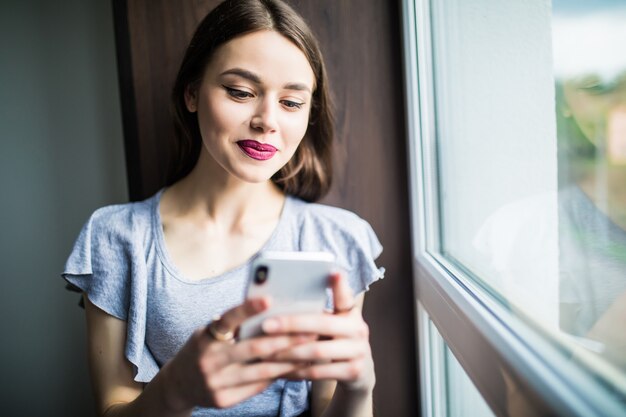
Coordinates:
308	174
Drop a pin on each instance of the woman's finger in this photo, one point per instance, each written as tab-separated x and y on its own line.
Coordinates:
257	348
336	349
343	298
245	374
232	319
324	325
340	371
231	396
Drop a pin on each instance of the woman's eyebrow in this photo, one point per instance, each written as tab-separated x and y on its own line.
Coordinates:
244	74
249	75
297	87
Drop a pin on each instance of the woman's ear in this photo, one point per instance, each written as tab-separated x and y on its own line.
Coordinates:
191	98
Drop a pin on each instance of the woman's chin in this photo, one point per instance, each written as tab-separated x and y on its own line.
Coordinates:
259	176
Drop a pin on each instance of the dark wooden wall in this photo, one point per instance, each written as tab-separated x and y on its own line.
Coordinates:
362	46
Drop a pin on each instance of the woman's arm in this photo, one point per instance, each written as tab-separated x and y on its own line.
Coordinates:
609	330
204	372
322	393
346	402
115	391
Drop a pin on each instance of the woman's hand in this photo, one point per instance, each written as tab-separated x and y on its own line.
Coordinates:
211	373
342	351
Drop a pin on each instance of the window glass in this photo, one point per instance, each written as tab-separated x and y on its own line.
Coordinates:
463	398
590	70
454	394
530	100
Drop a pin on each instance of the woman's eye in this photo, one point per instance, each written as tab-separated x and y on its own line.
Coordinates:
292	104
239	94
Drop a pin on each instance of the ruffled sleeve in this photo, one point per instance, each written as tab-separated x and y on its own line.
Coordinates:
108	264
350	238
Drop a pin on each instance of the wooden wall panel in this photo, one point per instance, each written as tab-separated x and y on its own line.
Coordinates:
151	37
362	46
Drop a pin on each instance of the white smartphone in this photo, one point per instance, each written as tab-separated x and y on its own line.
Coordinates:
295	282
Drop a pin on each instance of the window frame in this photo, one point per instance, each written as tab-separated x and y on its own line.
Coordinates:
484	336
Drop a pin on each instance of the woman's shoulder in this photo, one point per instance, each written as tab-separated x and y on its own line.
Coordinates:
325	215
350	238
334	226
123	218
111	232
118	228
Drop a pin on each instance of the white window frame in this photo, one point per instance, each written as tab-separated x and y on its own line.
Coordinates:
447	296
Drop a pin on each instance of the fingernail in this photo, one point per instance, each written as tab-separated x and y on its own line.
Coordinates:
270	325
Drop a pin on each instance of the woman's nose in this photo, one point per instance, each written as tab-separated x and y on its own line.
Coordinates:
264	118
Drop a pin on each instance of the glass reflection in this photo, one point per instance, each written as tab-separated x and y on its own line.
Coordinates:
590	75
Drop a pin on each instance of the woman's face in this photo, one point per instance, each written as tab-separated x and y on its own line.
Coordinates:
253	104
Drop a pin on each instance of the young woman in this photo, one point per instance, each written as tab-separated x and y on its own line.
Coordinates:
255	135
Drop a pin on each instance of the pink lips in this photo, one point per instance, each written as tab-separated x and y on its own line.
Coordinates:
257	150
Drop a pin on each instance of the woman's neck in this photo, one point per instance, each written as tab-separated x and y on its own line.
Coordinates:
210	194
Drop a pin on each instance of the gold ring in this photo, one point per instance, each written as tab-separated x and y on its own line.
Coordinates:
211	329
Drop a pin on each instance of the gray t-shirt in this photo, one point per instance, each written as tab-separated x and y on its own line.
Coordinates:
592	262
120	261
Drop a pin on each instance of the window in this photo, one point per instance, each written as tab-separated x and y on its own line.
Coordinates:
449	391
517	125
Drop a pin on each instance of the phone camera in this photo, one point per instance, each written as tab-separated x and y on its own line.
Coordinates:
260	275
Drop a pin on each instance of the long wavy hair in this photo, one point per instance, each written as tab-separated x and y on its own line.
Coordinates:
308	174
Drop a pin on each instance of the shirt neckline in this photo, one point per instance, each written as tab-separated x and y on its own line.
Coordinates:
166	261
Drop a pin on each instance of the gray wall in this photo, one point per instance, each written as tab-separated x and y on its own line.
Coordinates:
61	156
